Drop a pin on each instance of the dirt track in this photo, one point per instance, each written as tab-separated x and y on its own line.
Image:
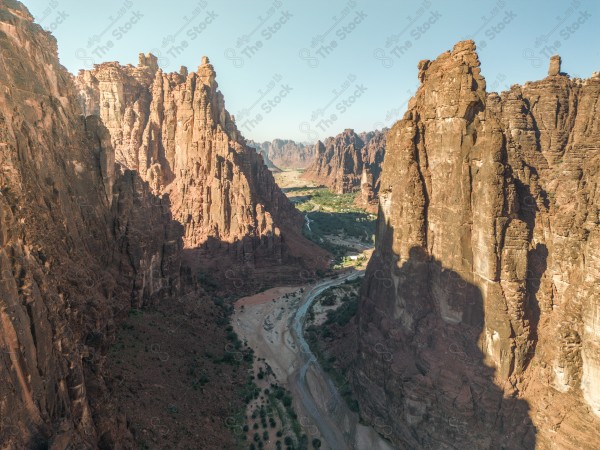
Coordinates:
274	330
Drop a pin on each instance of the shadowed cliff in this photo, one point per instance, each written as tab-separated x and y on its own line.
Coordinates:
423	380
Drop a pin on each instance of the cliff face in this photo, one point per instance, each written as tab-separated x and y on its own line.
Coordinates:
478	323
73	257
286	154
174	130
350	162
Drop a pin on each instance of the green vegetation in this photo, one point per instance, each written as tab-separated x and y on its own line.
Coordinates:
134	312
208	282
358	225
343	314
333	215
348	295
323	198
276	404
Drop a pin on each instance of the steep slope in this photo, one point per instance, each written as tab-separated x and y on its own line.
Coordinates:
478	322
174	130
286	154
72	259
350	162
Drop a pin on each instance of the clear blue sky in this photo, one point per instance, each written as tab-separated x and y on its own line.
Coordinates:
308	69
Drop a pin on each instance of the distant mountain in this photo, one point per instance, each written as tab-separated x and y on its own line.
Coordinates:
285	154
350	162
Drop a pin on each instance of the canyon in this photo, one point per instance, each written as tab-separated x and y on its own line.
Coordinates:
478	319
156	281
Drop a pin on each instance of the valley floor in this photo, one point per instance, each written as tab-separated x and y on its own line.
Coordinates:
272	325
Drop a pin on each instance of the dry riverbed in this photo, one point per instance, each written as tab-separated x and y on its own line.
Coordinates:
271	324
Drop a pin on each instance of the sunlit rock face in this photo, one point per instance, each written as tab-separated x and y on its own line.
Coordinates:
480	310
174	130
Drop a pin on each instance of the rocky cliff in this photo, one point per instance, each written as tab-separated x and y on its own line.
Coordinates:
350	162
372	158
173	129
103	213
286	154
74	255
479	317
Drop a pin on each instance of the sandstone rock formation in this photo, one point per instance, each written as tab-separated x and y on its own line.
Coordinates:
350	162
286	154
173	129
73	258
478	323
372	157
102	213
554	68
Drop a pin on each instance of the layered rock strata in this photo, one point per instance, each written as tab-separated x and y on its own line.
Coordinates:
173	129
478	323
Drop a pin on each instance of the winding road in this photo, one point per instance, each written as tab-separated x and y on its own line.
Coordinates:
274	329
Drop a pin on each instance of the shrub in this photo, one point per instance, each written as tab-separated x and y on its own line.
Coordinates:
328	300
287	400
